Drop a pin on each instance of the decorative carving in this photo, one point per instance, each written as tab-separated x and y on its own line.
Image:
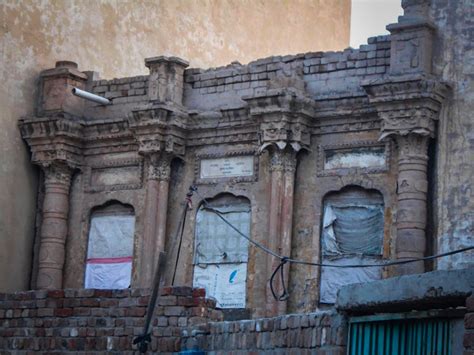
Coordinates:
159	166
412	146
57	174
283	160
407	104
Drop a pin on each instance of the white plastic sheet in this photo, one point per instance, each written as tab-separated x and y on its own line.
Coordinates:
224	282
217	242
110	251
111	236
109	275
332	279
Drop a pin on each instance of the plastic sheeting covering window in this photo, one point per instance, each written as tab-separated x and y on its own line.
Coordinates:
217	242
352	234
332	279
353	229
221	254
110	251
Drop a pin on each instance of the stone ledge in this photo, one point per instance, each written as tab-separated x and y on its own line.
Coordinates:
422	291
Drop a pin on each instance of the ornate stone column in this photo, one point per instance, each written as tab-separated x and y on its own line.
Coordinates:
156	208
280	221
408	107
412	188
54	227
408	102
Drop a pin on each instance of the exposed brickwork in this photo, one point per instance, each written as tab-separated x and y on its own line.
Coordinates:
315	333
122	90
316	68
469	327
62	321
71	321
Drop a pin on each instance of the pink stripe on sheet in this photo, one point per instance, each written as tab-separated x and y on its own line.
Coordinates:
123	259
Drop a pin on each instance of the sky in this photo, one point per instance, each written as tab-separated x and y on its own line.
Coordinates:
369	18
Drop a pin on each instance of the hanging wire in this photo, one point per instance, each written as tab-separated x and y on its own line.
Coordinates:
284	259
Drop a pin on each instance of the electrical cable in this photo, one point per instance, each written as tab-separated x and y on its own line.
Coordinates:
285	259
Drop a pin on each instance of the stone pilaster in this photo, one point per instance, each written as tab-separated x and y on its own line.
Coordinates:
156	208
160	133
280	221
54	227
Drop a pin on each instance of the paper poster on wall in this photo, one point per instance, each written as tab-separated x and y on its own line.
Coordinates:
224	282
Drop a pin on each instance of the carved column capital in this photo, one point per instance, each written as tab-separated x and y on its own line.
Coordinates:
407	104
159	166
412	146
283	160
57	173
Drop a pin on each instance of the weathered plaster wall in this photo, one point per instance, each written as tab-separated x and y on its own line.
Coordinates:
113	37
454	62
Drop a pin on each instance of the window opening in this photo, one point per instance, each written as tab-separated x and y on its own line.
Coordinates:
110	248
220	253
352	233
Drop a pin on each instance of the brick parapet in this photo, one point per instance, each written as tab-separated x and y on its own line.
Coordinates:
315	333
369	60
71	321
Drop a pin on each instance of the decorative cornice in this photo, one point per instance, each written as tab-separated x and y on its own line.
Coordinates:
407	104
159	129
54	140
284	118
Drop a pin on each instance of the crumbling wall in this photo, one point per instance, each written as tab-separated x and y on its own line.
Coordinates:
113	38
453	51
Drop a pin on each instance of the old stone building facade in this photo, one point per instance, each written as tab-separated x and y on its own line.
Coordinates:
336	157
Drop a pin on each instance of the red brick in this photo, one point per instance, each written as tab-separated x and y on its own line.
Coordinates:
63	312
135	312
90	302
199	292
56	293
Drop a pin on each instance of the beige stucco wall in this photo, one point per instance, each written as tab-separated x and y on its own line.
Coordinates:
113	37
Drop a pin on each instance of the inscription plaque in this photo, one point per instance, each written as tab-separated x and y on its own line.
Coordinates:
227	167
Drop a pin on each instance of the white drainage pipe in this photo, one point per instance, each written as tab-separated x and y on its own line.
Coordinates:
91	97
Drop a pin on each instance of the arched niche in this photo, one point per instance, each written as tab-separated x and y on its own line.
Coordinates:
110	246
352	232
220	253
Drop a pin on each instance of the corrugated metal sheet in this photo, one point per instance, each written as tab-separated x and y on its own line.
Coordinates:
400	336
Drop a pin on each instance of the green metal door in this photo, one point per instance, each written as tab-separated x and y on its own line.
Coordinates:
393	335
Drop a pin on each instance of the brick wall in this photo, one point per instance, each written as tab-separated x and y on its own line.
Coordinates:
469	327
71	321
327	75
106	321
316	333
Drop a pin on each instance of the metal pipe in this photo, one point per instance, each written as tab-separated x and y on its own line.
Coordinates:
91	97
